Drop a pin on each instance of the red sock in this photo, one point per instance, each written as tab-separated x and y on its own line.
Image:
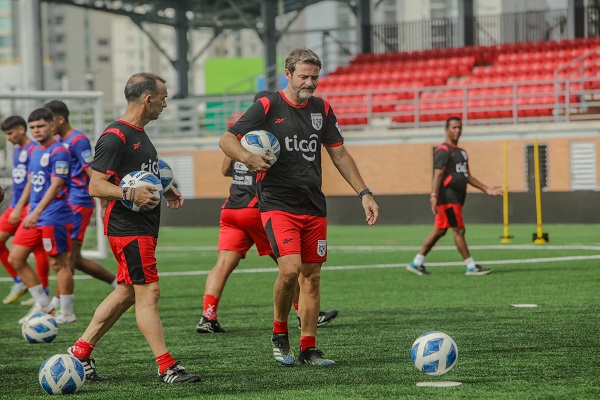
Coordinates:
82	349
211	303
41	265
280	327
164	362
4	260
307	342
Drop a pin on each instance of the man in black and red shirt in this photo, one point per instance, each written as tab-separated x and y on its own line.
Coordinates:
451	175
125	147
240	228
292	204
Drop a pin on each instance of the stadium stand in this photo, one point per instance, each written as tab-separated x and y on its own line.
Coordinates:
509	83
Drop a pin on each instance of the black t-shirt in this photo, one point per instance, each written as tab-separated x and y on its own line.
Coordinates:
242	192
453	161
293	183
124	148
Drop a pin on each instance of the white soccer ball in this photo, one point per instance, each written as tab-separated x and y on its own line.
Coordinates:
40	328
166	175
434	353
140	178
263	143
61	374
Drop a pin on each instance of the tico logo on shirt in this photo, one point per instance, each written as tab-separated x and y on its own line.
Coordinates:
152	167
308	148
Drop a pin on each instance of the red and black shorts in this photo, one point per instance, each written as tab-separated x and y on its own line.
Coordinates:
449	216
297	234
240	229
136	259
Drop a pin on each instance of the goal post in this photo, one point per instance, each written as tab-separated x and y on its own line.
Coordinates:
86	114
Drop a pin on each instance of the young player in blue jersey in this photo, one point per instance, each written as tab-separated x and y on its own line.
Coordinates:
49	220
15	131
80	200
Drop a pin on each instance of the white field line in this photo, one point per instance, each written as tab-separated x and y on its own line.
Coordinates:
406	248
381	266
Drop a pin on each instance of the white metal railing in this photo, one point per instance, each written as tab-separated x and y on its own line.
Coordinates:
560	100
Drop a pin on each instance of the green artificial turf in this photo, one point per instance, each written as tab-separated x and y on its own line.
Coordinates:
548	352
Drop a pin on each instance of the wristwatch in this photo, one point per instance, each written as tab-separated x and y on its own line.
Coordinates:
366	191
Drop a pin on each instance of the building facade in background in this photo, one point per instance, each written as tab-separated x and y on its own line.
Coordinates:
91	50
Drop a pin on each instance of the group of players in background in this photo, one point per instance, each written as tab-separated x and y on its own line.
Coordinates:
279	207
50	210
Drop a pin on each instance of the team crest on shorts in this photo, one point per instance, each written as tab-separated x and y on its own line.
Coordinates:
317	120
322	248
45	159
47	242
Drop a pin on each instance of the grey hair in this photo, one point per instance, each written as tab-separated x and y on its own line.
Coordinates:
301	55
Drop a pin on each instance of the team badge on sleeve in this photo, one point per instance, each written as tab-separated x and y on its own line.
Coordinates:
317	120
87	156
322	248
61	167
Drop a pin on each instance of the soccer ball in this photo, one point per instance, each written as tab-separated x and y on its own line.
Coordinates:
434	353
61	374
263	143
140	178
166	175
40	328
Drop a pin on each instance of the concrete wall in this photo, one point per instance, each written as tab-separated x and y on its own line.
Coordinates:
400	163
557	207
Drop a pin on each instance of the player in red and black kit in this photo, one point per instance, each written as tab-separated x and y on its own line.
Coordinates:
290	199
125	147
240	228
451	175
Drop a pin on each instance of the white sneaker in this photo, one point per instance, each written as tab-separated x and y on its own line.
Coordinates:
37	308
64	318
29	302
18	290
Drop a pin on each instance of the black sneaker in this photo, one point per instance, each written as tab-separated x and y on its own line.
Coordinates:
209	326
419	270
89	367
313	356
325	317
478	270
177	374
281	349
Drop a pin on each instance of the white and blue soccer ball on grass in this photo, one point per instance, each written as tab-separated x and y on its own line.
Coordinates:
61	374
166	174
263	143
40	328
140	178
434	353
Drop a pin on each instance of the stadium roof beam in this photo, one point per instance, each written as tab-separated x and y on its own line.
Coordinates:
184	15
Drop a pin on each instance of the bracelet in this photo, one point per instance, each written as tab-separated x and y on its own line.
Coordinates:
433	195
132	195
364	192
123	196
